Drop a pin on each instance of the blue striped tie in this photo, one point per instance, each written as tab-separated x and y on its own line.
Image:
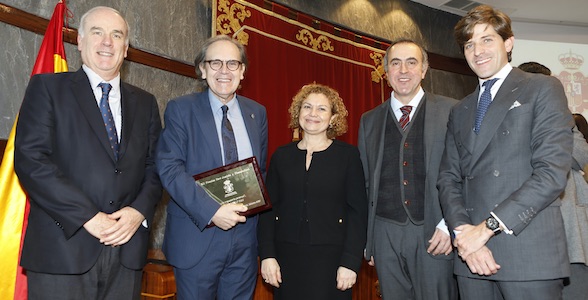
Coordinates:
108	119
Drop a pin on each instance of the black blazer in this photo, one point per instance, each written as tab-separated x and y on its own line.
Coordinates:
334	191
64	162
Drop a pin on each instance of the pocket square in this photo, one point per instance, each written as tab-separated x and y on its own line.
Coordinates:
515	105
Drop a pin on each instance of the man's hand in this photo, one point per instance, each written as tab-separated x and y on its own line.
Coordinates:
98	224
270	271
471	238
227	216
371	262
345	278
482	262
440	243
128	221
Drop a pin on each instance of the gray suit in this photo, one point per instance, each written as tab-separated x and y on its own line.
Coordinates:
371	146
574	208
516	167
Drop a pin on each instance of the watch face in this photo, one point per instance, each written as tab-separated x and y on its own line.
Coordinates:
492	224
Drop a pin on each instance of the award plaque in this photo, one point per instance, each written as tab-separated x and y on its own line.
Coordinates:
239	182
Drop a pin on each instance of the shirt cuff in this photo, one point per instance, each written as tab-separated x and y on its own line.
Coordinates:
443	227
502	225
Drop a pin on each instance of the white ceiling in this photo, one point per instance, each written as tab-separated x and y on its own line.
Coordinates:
549	20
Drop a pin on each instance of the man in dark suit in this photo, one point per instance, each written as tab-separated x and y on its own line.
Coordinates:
219	261
507	154
401	142
92	189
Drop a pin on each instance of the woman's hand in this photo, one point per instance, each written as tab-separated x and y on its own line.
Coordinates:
345	278
270	272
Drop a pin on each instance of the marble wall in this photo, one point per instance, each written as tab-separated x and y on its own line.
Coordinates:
176	28
167	28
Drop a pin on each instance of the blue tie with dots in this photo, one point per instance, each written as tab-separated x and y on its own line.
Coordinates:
485	101
229	143
108	119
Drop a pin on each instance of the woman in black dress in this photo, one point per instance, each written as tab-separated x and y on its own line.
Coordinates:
311	243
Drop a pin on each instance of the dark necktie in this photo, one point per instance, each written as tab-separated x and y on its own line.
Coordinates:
108	119
229	143
405	118
484	103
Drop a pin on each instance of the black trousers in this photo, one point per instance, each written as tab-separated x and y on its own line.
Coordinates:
107	279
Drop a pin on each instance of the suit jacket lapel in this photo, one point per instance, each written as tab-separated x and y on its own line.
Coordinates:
87	102
467	133
203	113
251	125
506	96
379	131
432	126
129	107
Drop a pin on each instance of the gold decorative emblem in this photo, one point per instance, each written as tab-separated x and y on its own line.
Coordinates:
378	74
321	41
230	18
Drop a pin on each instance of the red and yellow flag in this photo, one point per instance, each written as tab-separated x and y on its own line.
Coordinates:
13	200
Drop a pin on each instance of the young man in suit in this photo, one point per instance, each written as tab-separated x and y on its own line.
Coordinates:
507	154
219	261
401	142
92	189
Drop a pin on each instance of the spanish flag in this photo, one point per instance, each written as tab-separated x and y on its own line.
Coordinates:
14	207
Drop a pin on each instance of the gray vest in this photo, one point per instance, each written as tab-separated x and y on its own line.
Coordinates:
401	194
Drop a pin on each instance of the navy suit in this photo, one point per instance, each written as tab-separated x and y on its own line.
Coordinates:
64	161
190	145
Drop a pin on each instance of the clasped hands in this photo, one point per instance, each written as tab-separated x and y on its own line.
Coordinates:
117	228
471	247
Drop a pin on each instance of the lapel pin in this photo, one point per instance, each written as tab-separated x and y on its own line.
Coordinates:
252	116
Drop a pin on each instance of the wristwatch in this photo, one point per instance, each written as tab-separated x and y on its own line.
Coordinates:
492	224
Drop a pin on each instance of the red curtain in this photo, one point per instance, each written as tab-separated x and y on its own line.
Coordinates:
287	49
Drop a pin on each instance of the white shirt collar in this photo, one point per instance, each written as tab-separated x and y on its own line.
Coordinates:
414	102
95	79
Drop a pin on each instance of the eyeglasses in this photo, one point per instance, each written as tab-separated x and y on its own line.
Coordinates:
217	64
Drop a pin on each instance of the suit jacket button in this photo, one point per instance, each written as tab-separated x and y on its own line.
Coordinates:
407	202
496	173
340	221
110	202
116	171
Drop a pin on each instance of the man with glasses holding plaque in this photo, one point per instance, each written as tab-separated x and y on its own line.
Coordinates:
212	247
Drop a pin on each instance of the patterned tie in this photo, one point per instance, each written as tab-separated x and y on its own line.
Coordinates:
229	143
485	101
405	118
108	119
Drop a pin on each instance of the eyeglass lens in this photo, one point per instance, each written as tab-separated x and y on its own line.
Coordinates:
217	64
